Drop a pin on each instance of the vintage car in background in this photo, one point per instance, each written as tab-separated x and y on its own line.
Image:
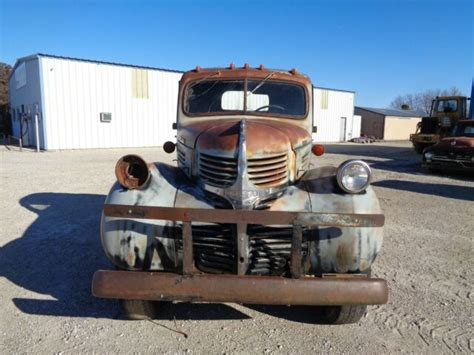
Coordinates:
455	152
247	215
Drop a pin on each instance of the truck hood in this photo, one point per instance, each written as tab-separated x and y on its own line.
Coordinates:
263	137
455	142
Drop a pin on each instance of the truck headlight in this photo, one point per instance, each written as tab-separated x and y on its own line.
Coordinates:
353	176
132	172
428	156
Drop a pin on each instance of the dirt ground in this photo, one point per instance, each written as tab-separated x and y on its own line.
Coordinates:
50	248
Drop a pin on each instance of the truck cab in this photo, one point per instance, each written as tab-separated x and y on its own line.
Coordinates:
446	111
248	215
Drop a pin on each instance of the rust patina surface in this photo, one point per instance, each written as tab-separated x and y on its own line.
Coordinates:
244	217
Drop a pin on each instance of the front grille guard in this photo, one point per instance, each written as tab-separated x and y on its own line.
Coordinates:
231	216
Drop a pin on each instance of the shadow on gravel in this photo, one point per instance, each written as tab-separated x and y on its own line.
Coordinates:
397	159
198	311
371	150
300	314
58	254
443	190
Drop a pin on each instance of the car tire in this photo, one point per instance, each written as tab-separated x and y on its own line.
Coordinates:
139	309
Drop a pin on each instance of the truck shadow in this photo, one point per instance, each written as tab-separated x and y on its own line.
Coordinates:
442	190
58	254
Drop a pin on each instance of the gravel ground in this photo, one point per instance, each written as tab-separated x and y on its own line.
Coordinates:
50	208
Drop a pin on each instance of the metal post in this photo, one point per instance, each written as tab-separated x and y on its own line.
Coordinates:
188	260
296	246
37	132
242	249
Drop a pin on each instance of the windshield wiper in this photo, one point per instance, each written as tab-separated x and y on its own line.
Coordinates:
261	83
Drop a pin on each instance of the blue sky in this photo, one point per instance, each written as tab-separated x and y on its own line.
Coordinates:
377	48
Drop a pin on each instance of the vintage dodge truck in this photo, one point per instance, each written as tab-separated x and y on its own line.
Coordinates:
245	216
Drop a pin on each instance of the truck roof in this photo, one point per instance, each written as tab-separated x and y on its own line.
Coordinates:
233	72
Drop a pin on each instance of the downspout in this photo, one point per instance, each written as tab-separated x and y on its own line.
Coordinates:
43	104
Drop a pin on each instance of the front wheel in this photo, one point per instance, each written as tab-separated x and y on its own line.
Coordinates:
139	309
346	314
419	147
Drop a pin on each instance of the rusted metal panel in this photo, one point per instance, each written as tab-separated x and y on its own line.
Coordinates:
240	289
296	251
223	136
188	261
245	216
150	244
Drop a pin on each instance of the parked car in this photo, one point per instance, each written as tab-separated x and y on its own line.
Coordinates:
244	217
455	152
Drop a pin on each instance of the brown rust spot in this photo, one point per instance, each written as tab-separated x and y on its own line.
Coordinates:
262	137
344	256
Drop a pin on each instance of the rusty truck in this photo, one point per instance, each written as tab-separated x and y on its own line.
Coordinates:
247	215
445	112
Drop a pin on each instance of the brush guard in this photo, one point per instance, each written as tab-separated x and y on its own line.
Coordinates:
190	286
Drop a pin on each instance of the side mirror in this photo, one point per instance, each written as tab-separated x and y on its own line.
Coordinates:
169	147
175	126
315	129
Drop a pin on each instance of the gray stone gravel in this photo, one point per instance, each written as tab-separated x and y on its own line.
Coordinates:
50	209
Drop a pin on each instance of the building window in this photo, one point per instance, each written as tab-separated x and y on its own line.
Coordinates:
324	99
139	83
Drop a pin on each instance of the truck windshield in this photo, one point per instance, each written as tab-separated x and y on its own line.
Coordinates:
259	97
447	106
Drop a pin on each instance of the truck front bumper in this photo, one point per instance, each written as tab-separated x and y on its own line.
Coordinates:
162	286
190	285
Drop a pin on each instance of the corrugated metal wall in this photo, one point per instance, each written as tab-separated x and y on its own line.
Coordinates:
71	95
356	124
142	103
334	111
25	100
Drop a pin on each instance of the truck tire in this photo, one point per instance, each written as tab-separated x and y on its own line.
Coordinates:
139	309
419	148
346	314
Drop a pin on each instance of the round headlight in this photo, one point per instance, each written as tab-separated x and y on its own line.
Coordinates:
353	176
428	156
132	172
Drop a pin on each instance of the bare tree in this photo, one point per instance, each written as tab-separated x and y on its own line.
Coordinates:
421	101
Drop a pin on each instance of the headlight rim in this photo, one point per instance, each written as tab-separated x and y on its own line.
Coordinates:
343	166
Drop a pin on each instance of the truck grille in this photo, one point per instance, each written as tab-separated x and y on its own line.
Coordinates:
447	157
214	248
268	171
270	249
181	156
216	170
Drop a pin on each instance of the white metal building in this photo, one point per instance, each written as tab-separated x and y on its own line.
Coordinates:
92	104
89	104
334	115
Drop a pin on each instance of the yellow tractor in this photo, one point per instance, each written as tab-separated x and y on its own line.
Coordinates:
446	111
